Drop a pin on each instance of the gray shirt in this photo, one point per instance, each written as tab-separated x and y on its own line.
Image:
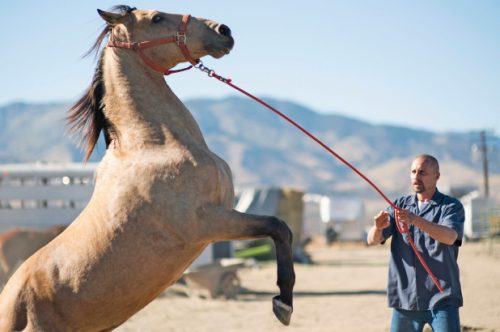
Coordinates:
409	286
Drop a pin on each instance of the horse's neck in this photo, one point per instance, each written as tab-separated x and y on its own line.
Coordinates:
142	108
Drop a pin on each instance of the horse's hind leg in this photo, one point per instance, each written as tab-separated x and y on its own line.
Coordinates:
220	224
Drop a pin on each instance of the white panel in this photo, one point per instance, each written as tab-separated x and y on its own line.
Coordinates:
38	218
40	192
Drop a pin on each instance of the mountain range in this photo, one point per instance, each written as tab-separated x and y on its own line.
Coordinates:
263	149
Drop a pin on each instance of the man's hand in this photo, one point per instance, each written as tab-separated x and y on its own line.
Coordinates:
405	216
381	220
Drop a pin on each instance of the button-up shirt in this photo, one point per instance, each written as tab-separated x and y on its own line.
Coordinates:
409	286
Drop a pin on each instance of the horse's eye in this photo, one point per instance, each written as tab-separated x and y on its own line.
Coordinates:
157	19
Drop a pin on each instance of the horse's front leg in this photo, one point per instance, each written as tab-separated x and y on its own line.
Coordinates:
220	224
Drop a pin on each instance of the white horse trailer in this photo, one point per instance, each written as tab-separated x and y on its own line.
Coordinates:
478	213
334	216
40	195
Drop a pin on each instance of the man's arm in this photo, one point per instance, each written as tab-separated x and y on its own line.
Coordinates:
380	221
439	233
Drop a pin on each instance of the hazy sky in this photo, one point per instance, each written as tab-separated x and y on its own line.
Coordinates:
425	64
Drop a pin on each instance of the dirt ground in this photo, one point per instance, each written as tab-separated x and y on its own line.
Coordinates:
345	290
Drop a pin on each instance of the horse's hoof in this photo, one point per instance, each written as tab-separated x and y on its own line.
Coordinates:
282	310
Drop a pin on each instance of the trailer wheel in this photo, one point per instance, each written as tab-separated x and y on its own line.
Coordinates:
229	285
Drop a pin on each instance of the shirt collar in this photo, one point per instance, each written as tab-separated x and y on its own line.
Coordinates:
436	198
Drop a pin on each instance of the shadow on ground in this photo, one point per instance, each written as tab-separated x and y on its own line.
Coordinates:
255	295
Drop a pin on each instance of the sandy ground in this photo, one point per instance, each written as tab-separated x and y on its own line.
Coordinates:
343	291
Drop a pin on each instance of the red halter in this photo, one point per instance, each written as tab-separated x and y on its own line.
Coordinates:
179	38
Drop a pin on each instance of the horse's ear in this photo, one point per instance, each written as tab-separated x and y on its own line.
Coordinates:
110	18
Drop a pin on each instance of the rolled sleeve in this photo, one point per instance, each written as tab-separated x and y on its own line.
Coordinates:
454	217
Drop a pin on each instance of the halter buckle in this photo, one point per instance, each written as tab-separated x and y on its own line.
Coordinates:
180	38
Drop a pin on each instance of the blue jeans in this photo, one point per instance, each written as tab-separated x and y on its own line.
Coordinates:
444	319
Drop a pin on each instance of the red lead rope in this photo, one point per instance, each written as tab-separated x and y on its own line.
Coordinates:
402	228
180	40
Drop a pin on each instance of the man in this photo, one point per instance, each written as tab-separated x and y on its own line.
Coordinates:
435	222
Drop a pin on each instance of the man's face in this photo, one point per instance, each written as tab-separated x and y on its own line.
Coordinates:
424	176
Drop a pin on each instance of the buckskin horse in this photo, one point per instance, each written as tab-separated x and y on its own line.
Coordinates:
160	197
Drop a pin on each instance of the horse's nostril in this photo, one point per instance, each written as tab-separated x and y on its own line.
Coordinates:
224	30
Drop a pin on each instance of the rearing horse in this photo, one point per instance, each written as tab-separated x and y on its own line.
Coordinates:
161	196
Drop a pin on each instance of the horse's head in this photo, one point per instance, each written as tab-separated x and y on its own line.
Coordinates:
161	40
164	40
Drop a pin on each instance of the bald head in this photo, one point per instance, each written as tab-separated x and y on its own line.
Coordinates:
429	160
424	175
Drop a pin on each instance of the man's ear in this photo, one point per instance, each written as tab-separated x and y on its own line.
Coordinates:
110	18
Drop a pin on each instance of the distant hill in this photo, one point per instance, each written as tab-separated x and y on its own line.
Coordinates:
262	149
